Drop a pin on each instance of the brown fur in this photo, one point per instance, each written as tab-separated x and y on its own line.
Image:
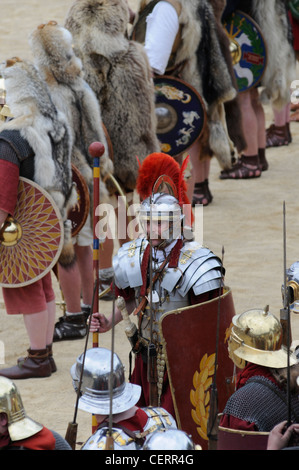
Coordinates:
118	71
54	56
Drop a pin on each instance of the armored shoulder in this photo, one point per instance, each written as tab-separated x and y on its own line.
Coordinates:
127	264
198	268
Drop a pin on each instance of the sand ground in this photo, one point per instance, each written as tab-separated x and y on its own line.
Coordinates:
245	217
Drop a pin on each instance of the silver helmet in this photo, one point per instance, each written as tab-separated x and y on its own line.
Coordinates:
162	208
20	426
169	439
95	387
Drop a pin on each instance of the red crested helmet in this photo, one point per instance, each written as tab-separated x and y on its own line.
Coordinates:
159	173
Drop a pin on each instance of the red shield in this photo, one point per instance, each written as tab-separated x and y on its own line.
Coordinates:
34	237
189	340
78	214
231	439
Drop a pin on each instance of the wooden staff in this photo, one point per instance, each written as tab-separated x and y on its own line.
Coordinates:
96	150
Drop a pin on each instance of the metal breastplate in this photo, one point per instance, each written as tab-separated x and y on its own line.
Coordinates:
198	269
162	302
158	418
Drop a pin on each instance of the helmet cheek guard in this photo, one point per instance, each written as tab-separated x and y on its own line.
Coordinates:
20	426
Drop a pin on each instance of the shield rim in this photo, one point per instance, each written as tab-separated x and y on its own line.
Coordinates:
251	20
79	226
195	92
59	246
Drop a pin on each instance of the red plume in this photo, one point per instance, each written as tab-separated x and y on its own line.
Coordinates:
157	164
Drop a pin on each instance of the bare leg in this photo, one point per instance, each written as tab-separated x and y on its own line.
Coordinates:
248	165
85	263
198	190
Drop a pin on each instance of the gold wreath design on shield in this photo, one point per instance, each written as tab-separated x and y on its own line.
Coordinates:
200	395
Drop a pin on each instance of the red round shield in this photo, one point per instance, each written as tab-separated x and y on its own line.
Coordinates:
33	238
78	214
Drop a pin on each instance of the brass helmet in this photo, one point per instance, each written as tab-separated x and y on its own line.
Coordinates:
20	426
256	336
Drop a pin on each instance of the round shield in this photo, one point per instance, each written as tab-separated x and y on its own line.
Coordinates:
32	239
248	50
78	214
180	114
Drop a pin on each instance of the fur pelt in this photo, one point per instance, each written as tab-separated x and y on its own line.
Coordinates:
233	114
206	70
62	70
118	71
280	71
47	131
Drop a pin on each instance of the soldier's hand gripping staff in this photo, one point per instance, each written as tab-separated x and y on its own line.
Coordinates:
161	272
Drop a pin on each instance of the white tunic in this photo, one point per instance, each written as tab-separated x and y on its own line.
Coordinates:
162	26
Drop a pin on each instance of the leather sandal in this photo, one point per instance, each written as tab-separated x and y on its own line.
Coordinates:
276	136
242	170
202	194
294	117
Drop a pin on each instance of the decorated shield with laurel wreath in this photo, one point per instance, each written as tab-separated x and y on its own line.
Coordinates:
189	343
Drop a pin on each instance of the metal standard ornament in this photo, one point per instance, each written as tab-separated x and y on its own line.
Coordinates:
248	50
180	114
78	214
32	239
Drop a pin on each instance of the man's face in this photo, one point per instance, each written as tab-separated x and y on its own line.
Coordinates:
157	231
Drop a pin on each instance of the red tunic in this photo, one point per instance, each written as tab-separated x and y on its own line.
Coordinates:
43	440
34	297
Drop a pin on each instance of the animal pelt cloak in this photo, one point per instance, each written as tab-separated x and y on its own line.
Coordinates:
62	70
118	71
233	114
47	131
205	69
272	17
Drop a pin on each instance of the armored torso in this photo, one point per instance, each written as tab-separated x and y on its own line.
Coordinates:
196	269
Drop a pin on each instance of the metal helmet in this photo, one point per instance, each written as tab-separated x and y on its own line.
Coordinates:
169	439
256	336
20	426
162	207
95	387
